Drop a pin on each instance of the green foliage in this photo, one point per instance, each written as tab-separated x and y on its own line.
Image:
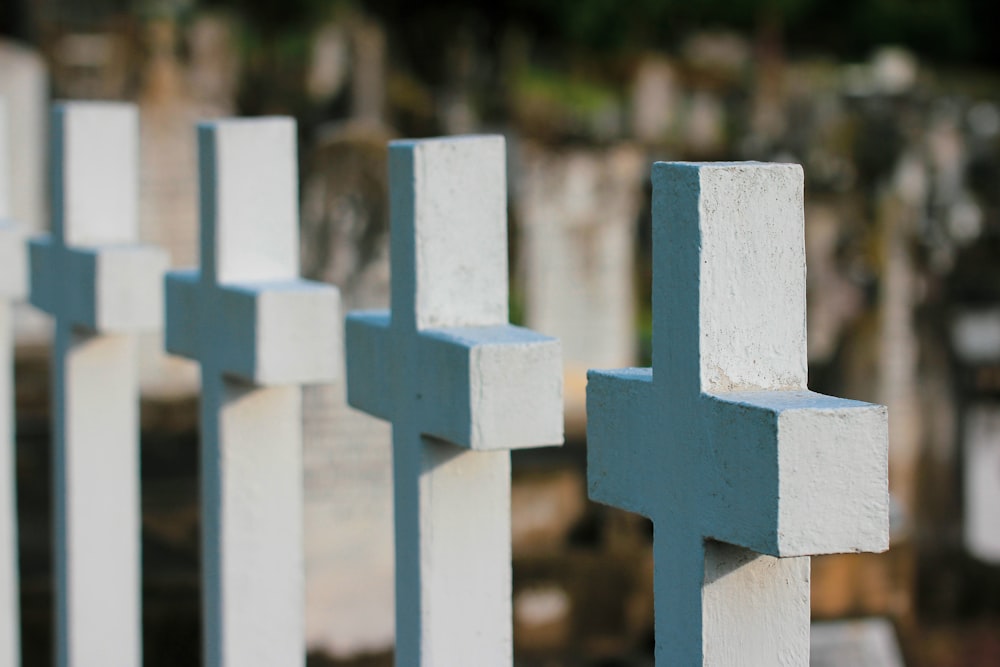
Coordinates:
954	30
558	90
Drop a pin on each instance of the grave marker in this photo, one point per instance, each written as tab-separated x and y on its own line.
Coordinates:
452	375
12	289
577	211
347	453
744	472
101	287
259	332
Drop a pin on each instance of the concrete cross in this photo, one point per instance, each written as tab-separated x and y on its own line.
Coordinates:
453	376
101	288
744	472
13	284
259	332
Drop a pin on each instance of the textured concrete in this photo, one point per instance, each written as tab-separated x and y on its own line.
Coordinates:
259	333
453	376
101	288
744	472
13	279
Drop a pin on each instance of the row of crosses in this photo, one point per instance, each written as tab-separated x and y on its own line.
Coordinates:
744	472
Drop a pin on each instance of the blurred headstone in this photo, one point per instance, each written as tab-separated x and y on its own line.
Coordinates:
328	63
578	211
862	643
894	70
368	81
717	53
92	65
982	481
214	64
456	106
348	455
655	98
833	300
705	124
169	111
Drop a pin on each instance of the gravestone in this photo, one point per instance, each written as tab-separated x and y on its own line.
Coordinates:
12	289
656	98
259	332
101	288
744	472
368	80
347	454
461	387
869	642
169	202
578	211
981	453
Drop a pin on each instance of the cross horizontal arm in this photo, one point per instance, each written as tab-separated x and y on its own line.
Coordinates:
483	388
799	473
491	388
111	289
622	467
182	329
369	362
267	334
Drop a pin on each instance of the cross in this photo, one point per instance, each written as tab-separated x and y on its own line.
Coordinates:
461	387
13	266
259	332
102	288
743	471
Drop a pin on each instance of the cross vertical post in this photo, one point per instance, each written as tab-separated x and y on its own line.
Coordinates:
13	282
101	287
461	387
744	472
259	332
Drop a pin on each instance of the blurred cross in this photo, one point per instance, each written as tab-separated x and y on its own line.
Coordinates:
102	288
259	332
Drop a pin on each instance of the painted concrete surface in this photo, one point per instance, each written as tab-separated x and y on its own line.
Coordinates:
101	288
13	278
461	387
744	472
259	333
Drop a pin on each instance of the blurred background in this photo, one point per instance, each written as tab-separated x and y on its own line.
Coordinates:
891	106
